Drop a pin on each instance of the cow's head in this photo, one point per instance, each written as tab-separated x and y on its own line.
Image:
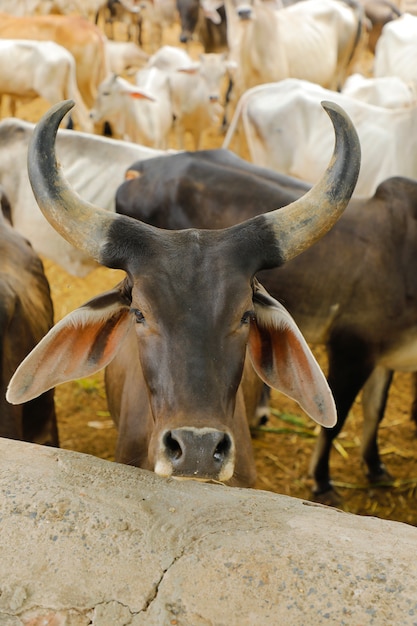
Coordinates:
195	306
113	92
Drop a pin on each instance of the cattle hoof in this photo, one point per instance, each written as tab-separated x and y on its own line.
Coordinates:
380	477
330	497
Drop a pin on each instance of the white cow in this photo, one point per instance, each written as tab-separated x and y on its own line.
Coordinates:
313	40
196	89
196	94
169	58
87	160
124	56
126	12
31	69
157	16
141	113
286	130
84	40
396	49
385	91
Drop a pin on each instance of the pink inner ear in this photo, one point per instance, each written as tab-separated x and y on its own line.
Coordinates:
140	96
283	360
188	70
79	345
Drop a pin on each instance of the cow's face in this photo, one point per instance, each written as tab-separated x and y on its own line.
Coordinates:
244	9
192	319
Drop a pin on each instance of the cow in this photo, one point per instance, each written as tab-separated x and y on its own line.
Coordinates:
207	27
354	291
196	89
191	299
84	40
271	44
202	189
170	58
396	50
125	56
378	13
31	69
26	315
277	113
141	113
86	159
196	94
157	15
385	91
128	13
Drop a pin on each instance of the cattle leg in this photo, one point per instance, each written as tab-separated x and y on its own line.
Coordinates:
227	100
413	414
39	421
374	400
349	369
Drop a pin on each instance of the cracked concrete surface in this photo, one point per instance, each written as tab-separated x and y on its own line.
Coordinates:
88	542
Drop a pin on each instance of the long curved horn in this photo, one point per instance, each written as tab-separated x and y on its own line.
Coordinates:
81	223
298	225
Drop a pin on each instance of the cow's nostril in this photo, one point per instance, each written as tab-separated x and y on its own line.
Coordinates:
244	14
172	447
223	449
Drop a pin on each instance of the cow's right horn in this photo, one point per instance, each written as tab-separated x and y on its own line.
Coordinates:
301	223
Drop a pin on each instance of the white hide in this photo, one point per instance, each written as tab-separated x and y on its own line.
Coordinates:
312	40
396	49
287	130
384	91
131	116
125	55
95	166
31	69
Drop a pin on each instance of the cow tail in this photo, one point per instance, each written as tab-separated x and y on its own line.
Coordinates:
359	11
81	113
238	113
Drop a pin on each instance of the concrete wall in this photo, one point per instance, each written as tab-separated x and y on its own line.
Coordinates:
85	541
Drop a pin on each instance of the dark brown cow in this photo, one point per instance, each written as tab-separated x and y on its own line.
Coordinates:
355	291
191	298
26	315
203	189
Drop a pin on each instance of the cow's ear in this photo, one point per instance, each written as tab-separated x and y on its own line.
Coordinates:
191	69
81	344
283	360
138	94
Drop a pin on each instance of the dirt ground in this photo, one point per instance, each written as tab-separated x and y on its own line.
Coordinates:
283	448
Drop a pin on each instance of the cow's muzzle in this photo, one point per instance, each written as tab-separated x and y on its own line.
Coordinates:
244	13
203	453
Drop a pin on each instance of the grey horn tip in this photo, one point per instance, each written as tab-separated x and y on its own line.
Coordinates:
334	111
329	105
59	110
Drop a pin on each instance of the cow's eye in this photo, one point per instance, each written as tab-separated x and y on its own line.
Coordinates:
139	316
246	317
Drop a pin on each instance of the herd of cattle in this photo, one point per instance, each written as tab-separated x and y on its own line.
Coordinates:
190	340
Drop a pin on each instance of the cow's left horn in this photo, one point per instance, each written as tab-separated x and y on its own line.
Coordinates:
81	223
301	223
